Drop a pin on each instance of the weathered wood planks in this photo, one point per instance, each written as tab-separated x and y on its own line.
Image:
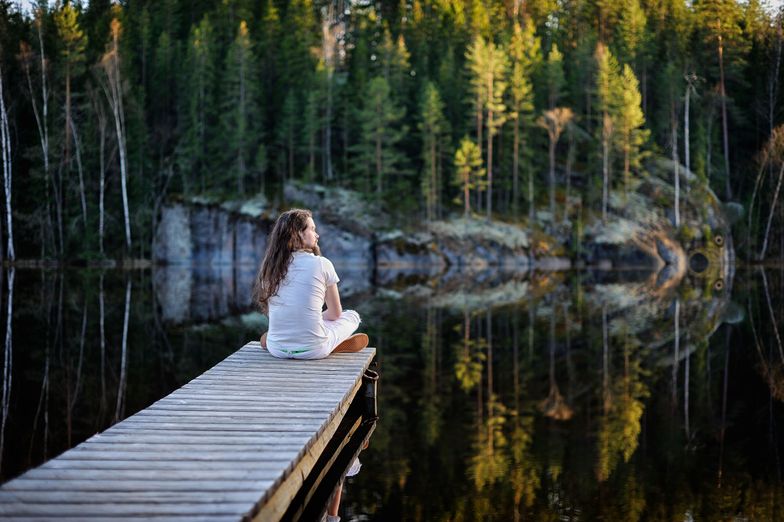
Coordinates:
235	442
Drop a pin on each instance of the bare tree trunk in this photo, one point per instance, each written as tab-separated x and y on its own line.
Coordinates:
515	162
531	211
102	333
466	194
244	138
709	151
686	384
431	210
41	121
551	174
102	172
8	360
675	164
111	64
725	134
773	315
676	356
686	151
82	197
329	29
770	214
606	132
5	145
43	127
569	162
490	158
379	165
119	411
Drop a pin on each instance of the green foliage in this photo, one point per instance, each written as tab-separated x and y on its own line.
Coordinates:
434	129
240	118
469	173
380	127
236	94
555	76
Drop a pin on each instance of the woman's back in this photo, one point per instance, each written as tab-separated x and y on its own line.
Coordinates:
295	313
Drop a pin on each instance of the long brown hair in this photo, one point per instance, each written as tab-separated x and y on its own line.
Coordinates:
283	241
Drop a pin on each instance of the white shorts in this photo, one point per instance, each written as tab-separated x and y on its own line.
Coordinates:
337	332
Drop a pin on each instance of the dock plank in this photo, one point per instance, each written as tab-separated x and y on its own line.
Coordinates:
222	447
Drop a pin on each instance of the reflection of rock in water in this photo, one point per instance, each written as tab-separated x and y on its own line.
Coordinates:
642	231
187	294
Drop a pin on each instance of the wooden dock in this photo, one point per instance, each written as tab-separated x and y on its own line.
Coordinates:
249	439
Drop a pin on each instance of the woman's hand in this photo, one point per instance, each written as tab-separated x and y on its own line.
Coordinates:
334	308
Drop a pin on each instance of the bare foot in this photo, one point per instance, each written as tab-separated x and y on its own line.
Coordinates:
353	344
263	340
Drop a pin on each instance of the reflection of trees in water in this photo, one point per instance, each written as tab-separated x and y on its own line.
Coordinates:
659	404
119	410
8	350
87	353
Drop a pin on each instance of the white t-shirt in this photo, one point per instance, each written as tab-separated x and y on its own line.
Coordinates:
295	320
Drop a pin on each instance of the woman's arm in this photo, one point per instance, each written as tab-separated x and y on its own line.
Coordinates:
332	298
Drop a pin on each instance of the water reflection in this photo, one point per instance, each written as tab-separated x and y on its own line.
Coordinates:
84	349
584	399
536	396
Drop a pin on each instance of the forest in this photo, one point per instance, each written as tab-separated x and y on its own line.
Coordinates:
528	112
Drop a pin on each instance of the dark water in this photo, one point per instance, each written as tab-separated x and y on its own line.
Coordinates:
561	396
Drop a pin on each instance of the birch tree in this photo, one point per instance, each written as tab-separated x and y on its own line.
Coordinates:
773	154
102	122
113	89
5	147
26	58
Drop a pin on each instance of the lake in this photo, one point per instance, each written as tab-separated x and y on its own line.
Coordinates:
535	396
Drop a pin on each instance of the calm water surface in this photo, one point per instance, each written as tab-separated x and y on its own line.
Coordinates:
568	396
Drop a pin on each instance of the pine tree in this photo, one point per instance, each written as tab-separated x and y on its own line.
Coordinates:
433	128
487	65
526	57
555	76
298	39
721	24
286	134
74	43
629	122
197	100
469	173
608	93
240	110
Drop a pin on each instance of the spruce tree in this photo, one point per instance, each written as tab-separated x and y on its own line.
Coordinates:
433	127
197	113
380	128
